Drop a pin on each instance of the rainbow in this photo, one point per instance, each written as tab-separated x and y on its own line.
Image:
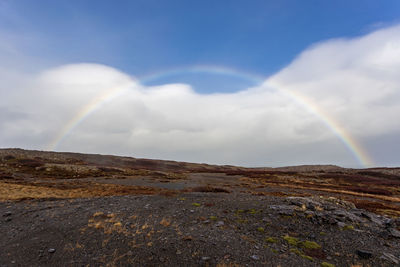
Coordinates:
85	112
335	127
199	69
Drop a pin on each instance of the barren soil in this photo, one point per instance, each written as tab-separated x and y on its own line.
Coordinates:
68	209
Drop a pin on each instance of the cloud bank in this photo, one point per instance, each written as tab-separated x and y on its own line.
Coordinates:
353	84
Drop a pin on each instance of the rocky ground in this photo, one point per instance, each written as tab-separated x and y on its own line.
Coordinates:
62	209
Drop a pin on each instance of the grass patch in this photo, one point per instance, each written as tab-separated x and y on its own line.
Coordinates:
306	257
271	239
327	264
253	211
291	240
348	227
300	253
310	245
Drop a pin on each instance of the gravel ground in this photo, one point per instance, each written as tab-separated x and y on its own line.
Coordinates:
191	229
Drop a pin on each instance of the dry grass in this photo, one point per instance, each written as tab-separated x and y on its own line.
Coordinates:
10	191
378	207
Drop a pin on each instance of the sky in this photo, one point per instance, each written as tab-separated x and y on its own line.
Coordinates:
256	83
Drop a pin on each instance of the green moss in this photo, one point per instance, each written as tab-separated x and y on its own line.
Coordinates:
296	251
239	211
260	229
306	257
271	240
252	211
196	204
291	240
322	233
300	253
242	220
310	245
327	264
181	198
274	250
213	218
348	227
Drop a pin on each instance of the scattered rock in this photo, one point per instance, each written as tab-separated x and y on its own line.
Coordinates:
304	202
7	213
52	250
390	257
394	233
341	224
205	258
255	257
343	215
219	223
286	210
373	218
364	254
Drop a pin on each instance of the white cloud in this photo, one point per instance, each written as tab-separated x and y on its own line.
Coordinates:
354	81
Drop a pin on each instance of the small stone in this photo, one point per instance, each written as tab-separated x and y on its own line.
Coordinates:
388	222
394	232
363	254
191	211
205	258
52	250
8	219
7	213
255	257
219	223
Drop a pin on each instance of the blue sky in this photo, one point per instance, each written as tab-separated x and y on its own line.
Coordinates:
146	36
253	83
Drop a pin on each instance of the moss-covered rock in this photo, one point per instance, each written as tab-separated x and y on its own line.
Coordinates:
291	240
327	264
271	239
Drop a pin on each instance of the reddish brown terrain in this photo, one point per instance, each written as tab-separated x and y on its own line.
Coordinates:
69	209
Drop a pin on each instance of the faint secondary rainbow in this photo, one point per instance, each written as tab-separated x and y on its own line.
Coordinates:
335	127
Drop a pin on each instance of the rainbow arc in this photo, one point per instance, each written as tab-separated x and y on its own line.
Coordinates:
355	148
